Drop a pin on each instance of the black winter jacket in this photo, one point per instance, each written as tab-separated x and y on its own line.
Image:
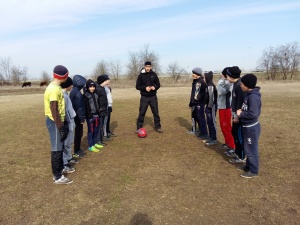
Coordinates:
77	98
198	92
103	100
145	80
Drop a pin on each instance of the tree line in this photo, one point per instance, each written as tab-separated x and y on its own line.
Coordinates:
282	61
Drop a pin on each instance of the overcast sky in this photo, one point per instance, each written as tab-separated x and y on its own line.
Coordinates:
40	34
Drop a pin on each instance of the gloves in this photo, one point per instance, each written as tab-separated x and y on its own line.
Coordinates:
64	130
109	109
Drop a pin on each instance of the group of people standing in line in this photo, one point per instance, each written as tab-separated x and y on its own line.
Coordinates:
237	98
239	103
89	101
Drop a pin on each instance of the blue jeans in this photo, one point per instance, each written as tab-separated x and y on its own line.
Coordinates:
56	144
56	148
93	130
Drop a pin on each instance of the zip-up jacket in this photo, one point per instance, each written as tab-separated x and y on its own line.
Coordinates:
198	92
237	98
251	107
77	98
91	101
146	79
224	89
102	99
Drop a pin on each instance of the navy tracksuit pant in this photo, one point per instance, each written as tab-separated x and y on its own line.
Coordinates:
251	135
237	133
200	109
144	103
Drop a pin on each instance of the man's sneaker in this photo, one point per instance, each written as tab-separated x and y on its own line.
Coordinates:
93	149
191	132
110	134
73	161
212	142
158	130
79	155
202	137
224	146
98	146
107	138
237	160
101	143
68	169
249	175
230	153
63	180
207	140
243	168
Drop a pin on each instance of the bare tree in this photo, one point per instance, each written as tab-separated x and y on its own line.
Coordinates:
265	62
133	66
5	69
101	68
115	68
45	77
175	71
295	58
137	59
16	74
25	74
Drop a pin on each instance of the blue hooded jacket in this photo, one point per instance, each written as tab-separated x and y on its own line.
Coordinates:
77	98
251	107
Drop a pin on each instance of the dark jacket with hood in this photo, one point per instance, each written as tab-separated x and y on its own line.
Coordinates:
237	98
91	101
198	92
211	91
77	98
146	79
103	100
251	107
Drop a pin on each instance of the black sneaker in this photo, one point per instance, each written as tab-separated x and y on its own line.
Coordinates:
110	134
243	168
202	137
158	130
101	143
249	175
107	138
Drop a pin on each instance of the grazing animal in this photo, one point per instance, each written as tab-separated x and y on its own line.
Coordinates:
44	83
25	84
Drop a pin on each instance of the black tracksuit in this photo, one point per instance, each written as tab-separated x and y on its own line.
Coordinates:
143	81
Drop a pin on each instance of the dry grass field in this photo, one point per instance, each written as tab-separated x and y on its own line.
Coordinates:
169	178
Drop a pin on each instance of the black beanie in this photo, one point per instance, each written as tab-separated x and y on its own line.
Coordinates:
147	63
67	83
233	72
224	72
249	80
90	83
102	78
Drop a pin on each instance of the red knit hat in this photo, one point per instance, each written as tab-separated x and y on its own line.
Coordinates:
60	72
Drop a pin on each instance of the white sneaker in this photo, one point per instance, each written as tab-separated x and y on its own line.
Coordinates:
63	180
68	169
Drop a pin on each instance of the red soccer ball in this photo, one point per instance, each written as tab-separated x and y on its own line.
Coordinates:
142	133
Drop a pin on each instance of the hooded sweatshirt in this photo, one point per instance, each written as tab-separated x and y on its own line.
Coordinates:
224	89
91	100
77	98
212	95
237	98
251	107
146	79
198	92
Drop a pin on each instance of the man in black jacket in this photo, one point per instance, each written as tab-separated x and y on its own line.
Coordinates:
148	83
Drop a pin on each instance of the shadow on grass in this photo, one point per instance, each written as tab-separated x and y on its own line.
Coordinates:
141	219
184	123
113	125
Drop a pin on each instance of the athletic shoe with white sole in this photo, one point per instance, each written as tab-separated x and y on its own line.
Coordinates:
212	142
237	160
249	175
68	169
63	180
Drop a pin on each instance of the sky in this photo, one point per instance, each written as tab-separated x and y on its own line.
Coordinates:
211	34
